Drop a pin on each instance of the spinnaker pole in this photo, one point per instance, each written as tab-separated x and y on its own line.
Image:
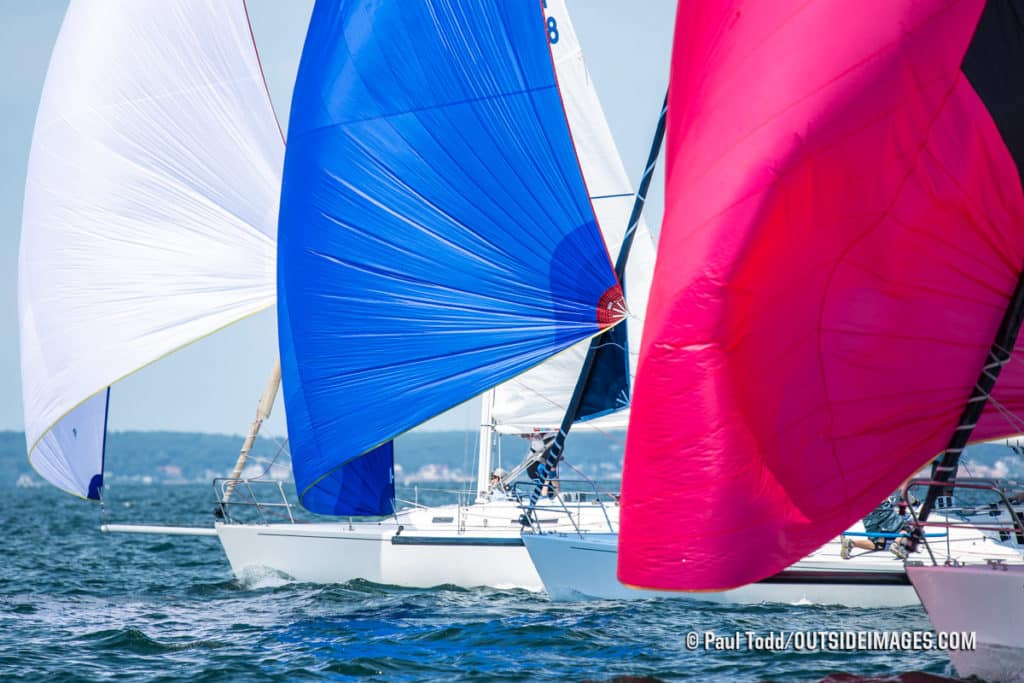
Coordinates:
263	409
554	453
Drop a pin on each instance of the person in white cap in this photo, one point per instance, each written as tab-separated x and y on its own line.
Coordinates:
497	484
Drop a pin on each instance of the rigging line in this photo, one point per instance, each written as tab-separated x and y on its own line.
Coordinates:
944	468
554	453
545	397
967	469
1015	420
530	458
997	347
277	441
607	433
258	460
612	196
592	482
280	450
611	344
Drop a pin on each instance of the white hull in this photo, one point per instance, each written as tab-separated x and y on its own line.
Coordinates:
985	600
331	553
468	546
575	566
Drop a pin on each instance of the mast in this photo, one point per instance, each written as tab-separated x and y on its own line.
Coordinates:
998	355
483	468
554	454
263	409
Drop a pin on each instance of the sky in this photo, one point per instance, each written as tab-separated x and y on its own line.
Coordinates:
214	385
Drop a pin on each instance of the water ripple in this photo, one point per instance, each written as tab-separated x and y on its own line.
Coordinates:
76	604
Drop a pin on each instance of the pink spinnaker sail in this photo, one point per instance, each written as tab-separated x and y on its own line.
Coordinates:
844	226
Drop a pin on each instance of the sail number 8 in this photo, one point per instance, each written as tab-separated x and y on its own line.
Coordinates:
552	26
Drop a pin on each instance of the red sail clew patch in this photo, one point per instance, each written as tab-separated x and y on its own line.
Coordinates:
611	307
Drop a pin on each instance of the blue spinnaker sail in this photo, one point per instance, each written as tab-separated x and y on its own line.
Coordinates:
436	237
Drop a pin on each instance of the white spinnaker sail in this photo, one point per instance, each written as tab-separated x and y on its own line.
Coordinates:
150	211
538	399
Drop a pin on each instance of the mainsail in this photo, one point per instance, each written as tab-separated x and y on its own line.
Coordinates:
537	399
843	232
436	234
150	210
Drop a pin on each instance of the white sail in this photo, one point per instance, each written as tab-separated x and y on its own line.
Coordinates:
538	399
150	208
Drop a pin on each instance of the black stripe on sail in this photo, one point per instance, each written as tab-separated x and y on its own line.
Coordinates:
609	347
994	66
605	387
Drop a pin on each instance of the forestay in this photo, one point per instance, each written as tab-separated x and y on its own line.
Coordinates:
150	210
537	399
436	235
844	229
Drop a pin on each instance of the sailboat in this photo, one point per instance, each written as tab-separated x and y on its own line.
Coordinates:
581	565
397	292
837	290
416	206
150	211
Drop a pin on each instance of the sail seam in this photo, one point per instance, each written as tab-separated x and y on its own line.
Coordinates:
443	105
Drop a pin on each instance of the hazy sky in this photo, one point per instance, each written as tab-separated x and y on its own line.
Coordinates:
213	385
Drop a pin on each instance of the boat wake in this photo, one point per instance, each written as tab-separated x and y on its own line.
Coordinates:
256	577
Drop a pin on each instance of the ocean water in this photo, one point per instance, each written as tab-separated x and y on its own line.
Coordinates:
76	604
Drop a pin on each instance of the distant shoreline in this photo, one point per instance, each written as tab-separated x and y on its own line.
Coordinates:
421	457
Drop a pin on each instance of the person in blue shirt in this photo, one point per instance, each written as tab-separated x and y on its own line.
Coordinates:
889	517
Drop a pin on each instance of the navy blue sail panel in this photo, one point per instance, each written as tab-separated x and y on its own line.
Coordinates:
436	237
606	388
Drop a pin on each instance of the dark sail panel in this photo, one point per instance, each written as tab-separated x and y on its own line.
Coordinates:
607	387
